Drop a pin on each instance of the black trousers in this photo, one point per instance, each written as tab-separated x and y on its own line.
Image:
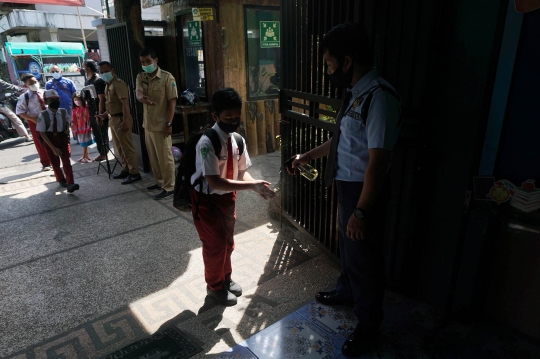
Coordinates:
362	277
101	135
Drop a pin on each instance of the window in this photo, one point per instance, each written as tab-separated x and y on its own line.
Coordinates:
193	56
263	52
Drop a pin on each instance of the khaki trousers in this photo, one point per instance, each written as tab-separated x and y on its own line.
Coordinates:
123	146
161	158
15	121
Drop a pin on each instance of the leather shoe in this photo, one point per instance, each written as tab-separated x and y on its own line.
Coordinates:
232	287
132	178
121	175
332	298
222	296
72	187
360	342
153	187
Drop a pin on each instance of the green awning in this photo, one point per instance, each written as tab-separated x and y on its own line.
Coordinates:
45	48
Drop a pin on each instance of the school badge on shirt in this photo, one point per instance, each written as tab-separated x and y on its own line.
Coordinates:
204	152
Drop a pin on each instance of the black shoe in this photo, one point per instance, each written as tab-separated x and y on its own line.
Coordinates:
132	178
121	175
72	187
232	287
163	194
360	342
222	296
63	183
332	298
153	187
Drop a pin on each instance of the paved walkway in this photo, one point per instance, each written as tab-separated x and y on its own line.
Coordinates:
85	274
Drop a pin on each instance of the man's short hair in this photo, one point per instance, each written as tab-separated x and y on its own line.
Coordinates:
106	63
348	39
91	64
226	99
26	77
148	51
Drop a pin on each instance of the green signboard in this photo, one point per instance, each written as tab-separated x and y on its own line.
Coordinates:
194	33
269	34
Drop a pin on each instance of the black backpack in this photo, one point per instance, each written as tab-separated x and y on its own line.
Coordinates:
187	167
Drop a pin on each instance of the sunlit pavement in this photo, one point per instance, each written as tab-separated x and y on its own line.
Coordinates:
84	274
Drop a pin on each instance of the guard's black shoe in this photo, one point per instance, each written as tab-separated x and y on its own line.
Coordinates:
153	187
63	183
332	298
163	194
121	175
222	296
360	342
232	287
72	187
132	178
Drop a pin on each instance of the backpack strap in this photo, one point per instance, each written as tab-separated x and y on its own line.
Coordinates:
369	98
27	98
240	142
216	141
46	118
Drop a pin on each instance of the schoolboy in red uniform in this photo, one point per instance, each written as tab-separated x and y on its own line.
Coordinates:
223	175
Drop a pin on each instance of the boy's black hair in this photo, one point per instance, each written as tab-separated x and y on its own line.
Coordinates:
148	51
26	77
226	99
91	64
348	39
106	63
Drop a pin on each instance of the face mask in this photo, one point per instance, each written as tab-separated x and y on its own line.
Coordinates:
56	75
107	76
53	105
229	128
341	79
149	69
78	103
34	87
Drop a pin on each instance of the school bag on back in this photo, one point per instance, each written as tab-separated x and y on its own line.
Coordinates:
186	168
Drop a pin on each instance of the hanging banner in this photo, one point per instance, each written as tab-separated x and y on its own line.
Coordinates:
269	32
202	13
50	2
194	33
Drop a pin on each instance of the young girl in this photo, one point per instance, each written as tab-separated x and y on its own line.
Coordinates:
80	125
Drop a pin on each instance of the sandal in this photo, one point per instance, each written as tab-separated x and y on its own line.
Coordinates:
84	160
80	159
100	158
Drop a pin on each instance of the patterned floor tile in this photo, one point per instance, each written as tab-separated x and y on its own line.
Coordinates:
294	337
338	321
238	352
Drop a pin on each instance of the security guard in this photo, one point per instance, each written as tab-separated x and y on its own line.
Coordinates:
120	122
359	152
156	89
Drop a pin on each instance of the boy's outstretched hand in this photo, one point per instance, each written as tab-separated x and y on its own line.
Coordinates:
263	189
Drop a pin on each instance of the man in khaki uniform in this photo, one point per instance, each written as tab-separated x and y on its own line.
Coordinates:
156	89
120	122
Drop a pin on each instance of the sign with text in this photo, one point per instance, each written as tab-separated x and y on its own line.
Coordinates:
269	32
202	13
50	2
194	33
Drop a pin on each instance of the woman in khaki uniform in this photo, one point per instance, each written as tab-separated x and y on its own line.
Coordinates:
120	122
156	89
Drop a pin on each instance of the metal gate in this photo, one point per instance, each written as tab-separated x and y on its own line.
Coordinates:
125	65
308	104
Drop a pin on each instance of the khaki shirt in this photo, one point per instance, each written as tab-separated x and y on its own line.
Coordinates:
114	92
160	89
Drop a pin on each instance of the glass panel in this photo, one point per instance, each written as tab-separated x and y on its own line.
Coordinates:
262	63
194	61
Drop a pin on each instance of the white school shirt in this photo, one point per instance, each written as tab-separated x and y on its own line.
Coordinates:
208	164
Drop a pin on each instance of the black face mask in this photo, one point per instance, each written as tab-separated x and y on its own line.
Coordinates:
228	128
54	105
341	79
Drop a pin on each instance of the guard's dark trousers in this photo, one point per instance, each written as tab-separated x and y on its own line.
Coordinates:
362	277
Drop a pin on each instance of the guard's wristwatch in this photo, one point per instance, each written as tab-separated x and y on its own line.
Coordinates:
169	124
358	213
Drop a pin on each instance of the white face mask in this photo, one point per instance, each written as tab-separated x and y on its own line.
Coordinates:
34	87
56	75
